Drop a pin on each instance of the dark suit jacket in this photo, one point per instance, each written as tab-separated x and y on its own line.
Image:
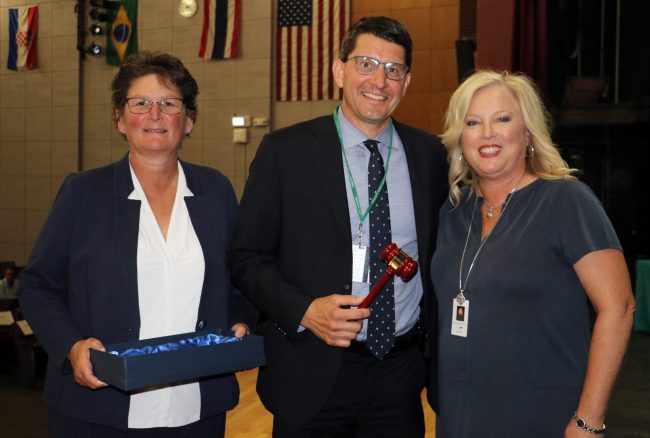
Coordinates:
81	281
292	244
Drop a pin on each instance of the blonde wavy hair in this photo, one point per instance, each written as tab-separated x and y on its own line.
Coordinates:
546	162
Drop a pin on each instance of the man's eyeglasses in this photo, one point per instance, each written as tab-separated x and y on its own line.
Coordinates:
367	66
142	105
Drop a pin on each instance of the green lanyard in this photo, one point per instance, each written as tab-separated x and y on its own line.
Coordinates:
353	186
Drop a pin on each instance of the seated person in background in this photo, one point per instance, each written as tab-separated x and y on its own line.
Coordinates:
9	284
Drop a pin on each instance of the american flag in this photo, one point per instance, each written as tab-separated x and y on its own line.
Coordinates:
309	36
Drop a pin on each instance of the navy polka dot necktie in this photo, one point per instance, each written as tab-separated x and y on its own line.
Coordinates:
381	324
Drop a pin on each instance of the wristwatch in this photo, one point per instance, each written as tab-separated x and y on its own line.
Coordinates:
582	424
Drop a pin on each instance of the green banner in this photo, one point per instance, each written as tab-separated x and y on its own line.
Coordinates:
121	34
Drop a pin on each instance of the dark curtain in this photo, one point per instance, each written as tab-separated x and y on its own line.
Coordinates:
529	40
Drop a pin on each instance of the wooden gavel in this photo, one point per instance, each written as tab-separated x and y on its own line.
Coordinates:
398	263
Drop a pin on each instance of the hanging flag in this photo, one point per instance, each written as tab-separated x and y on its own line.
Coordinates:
121	34
23	29
220	29
309	37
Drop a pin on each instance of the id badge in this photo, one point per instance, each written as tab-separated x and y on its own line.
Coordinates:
360	264
460	318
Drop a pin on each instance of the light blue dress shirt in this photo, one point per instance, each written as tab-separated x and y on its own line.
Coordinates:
402	217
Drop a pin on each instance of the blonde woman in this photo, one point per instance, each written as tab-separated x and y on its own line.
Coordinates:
524	247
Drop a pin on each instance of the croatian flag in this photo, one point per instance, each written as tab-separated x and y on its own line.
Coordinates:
23	28
220	29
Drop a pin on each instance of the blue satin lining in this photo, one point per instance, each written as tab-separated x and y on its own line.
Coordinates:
197	341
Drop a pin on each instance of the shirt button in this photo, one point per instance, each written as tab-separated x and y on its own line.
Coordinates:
201	324
347	286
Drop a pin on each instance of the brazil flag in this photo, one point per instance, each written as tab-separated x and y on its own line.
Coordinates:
121	35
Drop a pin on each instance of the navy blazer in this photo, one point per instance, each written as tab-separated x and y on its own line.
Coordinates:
81	281
292	244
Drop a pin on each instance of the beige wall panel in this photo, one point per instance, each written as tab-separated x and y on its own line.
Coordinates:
192	150
65	125
97	124
38	90
97	89
34	220
12	90
63	54
156	14
443	69
256	9
39	156
64	157
418	23
12	121
38	125
65	88
13	251
220	154
12	222
12	158
444	27
12	192
252	78
156	40
421	78
438	106
323	107
218	80
255	41
97	153
288	113
46	58
186	44
38	193
64	18
216	118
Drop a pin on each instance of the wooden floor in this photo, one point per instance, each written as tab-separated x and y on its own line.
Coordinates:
250	420
23	414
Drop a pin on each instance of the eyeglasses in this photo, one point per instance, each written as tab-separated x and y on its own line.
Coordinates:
142	105
367	66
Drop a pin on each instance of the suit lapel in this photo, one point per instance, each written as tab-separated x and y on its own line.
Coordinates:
197	208
199	213
126	217
327	161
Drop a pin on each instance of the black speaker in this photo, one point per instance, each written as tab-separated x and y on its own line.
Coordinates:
465	49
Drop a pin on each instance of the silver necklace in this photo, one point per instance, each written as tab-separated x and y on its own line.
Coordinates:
460	296
490	208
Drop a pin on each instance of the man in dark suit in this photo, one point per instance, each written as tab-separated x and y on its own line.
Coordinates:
319	197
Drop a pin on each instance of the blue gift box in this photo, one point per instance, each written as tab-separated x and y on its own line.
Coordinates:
171	359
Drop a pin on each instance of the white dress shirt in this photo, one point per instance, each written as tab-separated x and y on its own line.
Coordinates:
170	280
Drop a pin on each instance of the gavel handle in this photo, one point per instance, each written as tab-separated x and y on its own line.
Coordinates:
376	288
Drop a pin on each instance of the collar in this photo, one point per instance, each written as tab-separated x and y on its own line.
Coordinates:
352	137
138	192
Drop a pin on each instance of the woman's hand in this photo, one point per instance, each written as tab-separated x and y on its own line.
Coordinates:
240	329
572	431
604	276
79	357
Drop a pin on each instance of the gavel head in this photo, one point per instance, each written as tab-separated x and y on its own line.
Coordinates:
403	265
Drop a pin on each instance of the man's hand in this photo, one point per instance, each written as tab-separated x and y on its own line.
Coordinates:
240	329
79	357
336	326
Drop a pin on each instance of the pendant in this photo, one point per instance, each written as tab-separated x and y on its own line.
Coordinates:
490	211
460	298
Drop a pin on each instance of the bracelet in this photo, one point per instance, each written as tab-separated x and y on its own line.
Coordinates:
582	424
